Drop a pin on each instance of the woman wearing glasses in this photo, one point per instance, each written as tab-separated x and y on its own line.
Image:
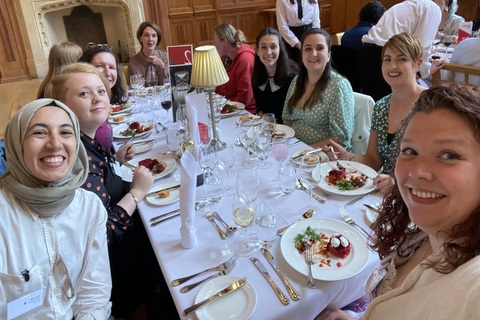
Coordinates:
53	245
149	36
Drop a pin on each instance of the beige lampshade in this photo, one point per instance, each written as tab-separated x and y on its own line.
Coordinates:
208	71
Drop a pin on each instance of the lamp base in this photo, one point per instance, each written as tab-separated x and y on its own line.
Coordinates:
216	145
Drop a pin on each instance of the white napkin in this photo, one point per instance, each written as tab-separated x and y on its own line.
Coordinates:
193	127
199	101
188	190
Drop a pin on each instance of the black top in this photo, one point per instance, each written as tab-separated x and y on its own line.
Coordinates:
108	186
272	102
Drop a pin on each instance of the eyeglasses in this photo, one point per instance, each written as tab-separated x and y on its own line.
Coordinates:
95	45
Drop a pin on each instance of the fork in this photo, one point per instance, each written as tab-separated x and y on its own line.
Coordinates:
227	270
339	165
309	262
220	267
209	215
346	217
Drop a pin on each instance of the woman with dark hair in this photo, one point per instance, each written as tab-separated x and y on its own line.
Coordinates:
428	227
149	36
238	58
319	103
102	58
272	73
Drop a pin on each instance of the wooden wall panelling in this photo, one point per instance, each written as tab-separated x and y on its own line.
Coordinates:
325	14
205	23
13	66
182	29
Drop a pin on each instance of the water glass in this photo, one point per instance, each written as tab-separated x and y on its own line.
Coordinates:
173	138
266	223
287	176
213	185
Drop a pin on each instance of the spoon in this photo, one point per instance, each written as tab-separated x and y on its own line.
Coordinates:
219	218
306	215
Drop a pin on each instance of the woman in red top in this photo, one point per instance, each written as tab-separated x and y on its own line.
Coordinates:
238	58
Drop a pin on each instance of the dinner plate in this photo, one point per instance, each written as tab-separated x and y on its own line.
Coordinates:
253	117
126	117
321	171
226	115
168	160
351	265
173	197
124	126
141	147
289	132
236	305
126	110
370	214
322	155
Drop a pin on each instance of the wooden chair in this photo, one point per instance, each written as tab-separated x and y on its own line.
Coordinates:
452	72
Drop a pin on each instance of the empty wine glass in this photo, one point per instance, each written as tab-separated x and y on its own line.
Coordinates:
243	210
137	81
246	137
225	161
263	144
269	120
306	178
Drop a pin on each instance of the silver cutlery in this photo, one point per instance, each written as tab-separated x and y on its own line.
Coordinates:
314	195
306	153
152	193
137	143
352	202
346	217
198	205
339	165
309	262
189	287
129	140
291	290
372	208
220	267
306	215
130	166
222	293
210	218
260	267
217	216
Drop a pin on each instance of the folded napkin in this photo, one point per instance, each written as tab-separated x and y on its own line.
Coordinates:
188	189
193	128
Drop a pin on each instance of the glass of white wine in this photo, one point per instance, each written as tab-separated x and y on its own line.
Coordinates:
243	210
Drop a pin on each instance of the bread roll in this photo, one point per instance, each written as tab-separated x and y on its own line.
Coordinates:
164	194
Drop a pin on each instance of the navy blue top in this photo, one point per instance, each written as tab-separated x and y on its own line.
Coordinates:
353	36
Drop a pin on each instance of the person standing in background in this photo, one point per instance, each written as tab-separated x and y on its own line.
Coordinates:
149	36
418	17
238	58
294	17
369	16
450	21
272	73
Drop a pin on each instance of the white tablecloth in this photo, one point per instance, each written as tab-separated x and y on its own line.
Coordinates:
176	261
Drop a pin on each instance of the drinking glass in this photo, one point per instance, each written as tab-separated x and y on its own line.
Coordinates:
137	81
269	120
263	144
287	175
246	136
151	78
225	161
279	151
247	185
309	163
173	138
266	223
166	105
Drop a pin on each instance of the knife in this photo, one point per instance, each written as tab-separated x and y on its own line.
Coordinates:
352	202
222	293
291	291
136	143
372	208
165	189
283	298
306	153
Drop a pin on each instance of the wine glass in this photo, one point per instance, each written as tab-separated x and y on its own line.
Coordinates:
279	149
225	161
243	210
308	163
137	81
151	78
269	120
166	105
263	144
246	137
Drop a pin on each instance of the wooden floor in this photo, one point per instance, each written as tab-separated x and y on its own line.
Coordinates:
21	92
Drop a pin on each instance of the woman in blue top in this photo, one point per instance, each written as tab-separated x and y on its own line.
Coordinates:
272	73
319	103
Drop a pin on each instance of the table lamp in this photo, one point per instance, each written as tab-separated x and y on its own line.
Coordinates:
208	72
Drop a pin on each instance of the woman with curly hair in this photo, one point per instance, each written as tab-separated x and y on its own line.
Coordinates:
428	229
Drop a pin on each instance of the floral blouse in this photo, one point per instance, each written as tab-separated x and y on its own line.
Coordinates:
109	187
386	150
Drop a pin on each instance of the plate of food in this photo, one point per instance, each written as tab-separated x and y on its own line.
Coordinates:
339	251
249	117
350	179
124	108
297	156
282	130
159	164
164	194
236	305
126	130
229	109
119	118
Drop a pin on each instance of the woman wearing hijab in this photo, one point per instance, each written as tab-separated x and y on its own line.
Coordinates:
53	248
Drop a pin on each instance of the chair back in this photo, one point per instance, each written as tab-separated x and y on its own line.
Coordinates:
344	60
363	111
459	73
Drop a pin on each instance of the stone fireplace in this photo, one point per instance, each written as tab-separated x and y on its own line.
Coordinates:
45	25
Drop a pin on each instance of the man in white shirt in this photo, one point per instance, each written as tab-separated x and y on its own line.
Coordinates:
418	17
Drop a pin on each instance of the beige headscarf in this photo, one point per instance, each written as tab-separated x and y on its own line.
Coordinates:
45	197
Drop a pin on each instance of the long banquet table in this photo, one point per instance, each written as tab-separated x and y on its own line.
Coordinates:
175	261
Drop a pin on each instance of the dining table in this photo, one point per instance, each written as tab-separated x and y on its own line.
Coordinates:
210	250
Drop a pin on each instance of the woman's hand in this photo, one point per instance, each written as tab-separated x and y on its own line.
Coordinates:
141	182
437	64
125	153
157	61
334	314
342	153
383	182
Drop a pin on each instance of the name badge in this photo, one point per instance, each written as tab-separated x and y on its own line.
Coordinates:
24	304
